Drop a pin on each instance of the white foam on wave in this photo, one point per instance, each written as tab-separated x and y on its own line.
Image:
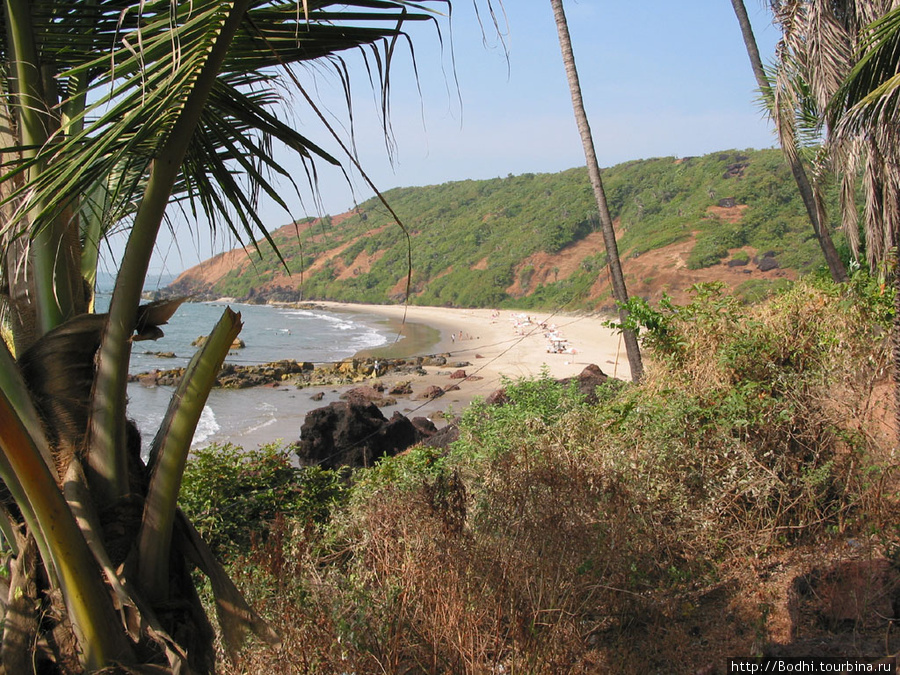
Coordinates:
262	425
207	426
297	312
365	336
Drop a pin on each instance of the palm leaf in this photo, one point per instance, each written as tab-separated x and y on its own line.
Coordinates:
77	572
168	455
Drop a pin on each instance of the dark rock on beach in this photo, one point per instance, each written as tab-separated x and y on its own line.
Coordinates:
351	433
587	382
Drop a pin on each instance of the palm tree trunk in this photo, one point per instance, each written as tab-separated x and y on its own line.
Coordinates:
107	461
620	293
832	259
56	276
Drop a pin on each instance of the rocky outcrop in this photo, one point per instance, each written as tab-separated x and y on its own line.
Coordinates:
369	394
354	434
201	340
587	382
300	373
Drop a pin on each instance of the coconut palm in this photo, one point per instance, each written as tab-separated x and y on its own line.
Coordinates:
620	291
819	48
864	115
113	111
814	208
837	62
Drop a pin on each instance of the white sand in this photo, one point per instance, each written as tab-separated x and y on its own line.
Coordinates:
493	345
508	343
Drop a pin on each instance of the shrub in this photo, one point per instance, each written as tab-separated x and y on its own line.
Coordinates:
553	532
233	495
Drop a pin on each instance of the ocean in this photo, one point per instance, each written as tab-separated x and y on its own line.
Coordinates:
255	416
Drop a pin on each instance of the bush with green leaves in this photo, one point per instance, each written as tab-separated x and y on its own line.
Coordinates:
232	495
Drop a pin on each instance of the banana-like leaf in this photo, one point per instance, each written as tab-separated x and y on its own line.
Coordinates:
90	609
17	393
235	615
168	455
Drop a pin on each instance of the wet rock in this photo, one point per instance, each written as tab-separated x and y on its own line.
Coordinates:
200	341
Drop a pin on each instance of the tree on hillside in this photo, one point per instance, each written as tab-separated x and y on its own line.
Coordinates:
788	142
620	292
112	112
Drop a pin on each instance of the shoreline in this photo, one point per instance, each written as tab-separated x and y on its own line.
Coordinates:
497	344
488	346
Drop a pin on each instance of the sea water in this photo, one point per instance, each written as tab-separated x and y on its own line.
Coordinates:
259	415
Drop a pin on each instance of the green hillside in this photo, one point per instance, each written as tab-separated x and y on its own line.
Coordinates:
477	243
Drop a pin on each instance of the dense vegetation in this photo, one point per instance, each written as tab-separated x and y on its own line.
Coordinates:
471	240
561	535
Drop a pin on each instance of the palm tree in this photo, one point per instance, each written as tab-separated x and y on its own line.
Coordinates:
863	114
814	208
112	112
819	46
835	78
620	292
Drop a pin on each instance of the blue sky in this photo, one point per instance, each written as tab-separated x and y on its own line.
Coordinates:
659	78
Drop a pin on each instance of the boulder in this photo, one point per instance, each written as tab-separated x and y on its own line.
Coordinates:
497	397
424	426
401	389
351	433
363	394
443	437
587	382
438	360
766	264
430	393
458	375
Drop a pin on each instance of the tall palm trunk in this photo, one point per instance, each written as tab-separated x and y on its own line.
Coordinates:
620	293
820	228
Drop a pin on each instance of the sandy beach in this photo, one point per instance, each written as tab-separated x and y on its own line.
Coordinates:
487	345
497	344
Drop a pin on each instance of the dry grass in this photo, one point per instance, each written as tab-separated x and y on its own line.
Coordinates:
659	531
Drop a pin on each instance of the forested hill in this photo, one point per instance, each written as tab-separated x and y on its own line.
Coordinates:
533	241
